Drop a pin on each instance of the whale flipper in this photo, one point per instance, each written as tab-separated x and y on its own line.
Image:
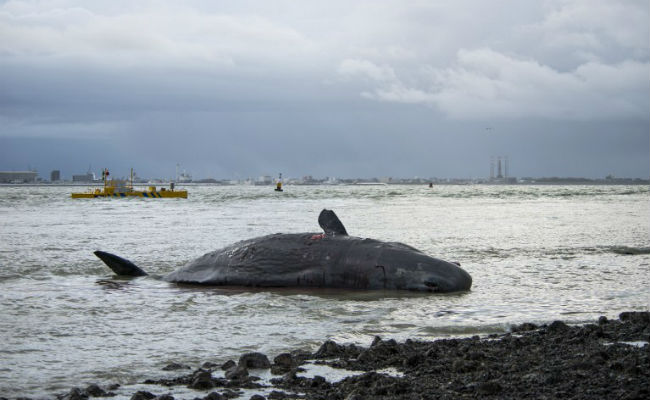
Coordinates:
331	223
119	265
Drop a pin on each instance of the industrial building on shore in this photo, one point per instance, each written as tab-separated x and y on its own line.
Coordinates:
18	176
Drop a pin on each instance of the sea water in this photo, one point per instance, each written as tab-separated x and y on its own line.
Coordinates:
536	253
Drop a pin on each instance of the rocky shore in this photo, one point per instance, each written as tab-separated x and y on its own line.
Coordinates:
605	359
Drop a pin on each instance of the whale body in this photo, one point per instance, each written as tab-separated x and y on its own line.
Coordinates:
332	259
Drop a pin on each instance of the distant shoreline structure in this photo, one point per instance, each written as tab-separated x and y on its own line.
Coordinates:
370	182
499	175
30	177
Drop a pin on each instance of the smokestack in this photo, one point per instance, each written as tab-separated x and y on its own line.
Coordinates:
491	167
499	174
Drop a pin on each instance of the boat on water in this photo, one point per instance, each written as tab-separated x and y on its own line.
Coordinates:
123	188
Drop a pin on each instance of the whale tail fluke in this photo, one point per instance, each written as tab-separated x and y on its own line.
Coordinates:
119	265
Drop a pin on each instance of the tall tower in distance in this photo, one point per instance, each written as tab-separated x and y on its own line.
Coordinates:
500	170
499	174
491	168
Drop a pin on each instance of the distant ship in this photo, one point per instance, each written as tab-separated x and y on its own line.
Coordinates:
121	188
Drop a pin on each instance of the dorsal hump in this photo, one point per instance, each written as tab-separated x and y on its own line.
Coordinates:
331	223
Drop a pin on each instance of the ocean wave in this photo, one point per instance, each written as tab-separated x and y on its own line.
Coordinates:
462	330
17	198
537	192
628	251
550	253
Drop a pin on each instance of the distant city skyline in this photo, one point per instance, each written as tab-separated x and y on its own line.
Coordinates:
494	176
401	88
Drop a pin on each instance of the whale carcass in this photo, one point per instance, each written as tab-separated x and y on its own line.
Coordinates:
331	259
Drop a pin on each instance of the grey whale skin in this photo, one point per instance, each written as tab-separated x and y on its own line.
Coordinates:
329	260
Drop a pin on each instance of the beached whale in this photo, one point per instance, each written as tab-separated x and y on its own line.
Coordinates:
326	260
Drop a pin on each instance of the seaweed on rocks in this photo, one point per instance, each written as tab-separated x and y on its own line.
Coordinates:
551	361
92	390
605	359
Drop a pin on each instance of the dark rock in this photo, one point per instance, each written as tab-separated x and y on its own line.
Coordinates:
284	360
209	365
279	370
237	372
299	356
257	397
248	382
74	394
174	367
526	326
287	379
276	395
558	327
182	380
354	395
227	365
201	380
95	391
463	366
635	317
165	396
282	363
413	360
366	356
318	381
331	349
213	396
328	349
254	360
143	395
602	320
489	388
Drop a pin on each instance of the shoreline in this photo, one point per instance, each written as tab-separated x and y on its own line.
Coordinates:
602	359
561	182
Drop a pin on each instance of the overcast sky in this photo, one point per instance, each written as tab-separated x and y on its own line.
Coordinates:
232	89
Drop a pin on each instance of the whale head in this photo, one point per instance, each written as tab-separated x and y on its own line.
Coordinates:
391	265
407	268
374	264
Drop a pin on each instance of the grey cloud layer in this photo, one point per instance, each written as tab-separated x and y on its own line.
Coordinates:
486	84
564	60
92	69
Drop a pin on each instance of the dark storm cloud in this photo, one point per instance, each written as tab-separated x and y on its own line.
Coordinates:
367	88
